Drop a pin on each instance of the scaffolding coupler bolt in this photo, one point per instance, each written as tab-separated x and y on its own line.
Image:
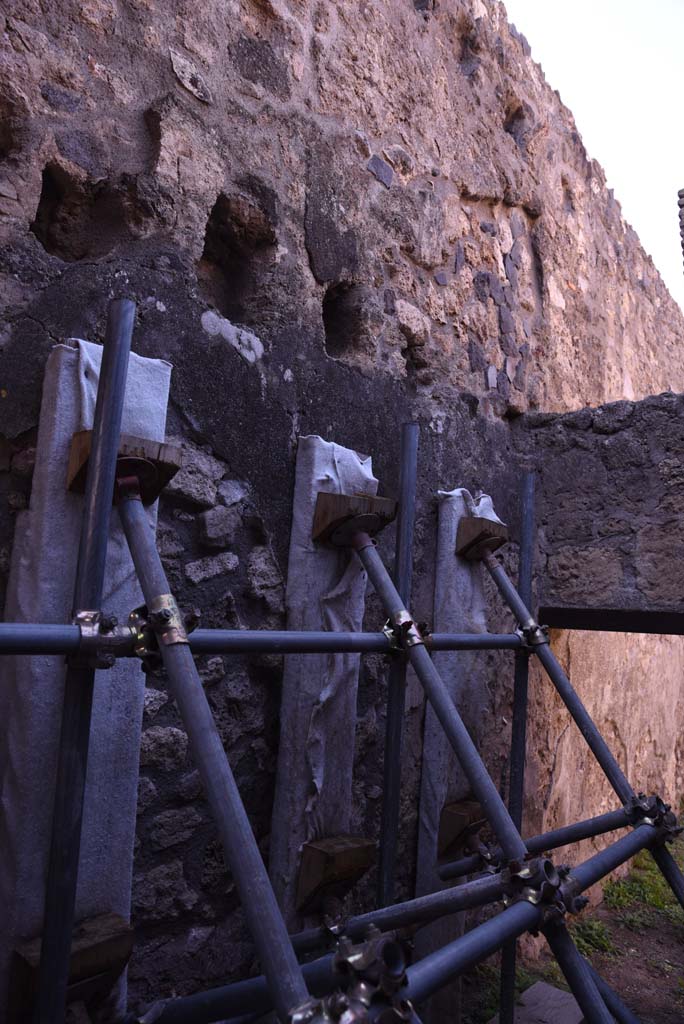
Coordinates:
166	620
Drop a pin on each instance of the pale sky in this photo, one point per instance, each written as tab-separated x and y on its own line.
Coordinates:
619	66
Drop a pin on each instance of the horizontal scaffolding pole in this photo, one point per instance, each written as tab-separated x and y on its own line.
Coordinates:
614	620
412	913
597	826
45	638
249	996
438	969
428	974
605	861
229	641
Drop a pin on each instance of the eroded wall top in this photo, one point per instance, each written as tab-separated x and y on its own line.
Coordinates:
396	176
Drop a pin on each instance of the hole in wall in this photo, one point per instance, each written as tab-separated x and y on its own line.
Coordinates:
343	318
76	219
239	248
11	128
6	137
568	196
515	125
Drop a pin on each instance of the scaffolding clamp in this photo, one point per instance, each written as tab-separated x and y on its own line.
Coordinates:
391	634
404	629
163	624
538	882
102	640
651	810
166	620
533	635
372	973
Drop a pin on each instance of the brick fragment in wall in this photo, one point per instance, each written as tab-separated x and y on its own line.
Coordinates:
189	787
212	671
170	828
230	492
218	526
197	480
154	701
207	568
163	746
381	170
147	794
265	578
162	893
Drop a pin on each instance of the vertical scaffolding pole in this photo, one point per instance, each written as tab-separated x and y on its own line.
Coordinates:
396	683
60	896
516	785
436	692
283	973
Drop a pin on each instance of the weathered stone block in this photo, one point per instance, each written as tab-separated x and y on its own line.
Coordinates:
162	893
610	505
163	746
173	827
196	482
206	568
218	526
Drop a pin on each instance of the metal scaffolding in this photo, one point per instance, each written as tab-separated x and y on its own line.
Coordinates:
366	976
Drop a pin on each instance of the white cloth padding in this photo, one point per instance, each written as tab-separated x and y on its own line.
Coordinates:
41	583
325	591
459	607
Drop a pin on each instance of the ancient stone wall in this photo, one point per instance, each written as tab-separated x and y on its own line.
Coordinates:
333	217
610	545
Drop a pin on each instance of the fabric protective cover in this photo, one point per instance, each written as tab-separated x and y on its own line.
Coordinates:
42	573
325	591
459	607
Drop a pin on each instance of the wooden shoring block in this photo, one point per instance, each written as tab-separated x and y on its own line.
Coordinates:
337	517
153	462
459	822
100	949
330	867
475	535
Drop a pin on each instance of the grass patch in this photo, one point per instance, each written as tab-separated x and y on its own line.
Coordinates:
644	890
591	936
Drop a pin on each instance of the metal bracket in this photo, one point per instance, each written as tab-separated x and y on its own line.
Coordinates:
651	810
168	629
533	635
391	634
374	974
537	881
102	640
167	621
405	630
